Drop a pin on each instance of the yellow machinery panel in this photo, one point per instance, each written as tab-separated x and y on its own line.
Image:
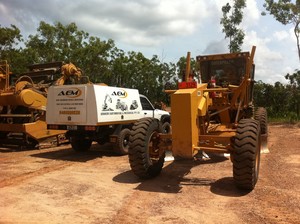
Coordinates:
187	105
184	122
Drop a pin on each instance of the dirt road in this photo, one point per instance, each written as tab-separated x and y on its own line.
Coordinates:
58	185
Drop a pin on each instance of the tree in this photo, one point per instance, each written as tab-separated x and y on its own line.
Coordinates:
230	24
9	38
181	67
10	50
66	43
294	90
94	58
101	60
285	12
55	42
281	101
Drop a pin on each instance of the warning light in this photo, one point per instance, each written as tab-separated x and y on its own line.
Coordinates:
187	85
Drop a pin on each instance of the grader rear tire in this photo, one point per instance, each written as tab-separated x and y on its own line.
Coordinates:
246	155
144	157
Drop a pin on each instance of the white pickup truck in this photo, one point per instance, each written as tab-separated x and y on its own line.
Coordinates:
92	112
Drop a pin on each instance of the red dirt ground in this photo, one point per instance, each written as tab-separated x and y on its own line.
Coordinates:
58	185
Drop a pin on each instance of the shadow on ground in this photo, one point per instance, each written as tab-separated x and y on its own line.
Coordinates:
68	154
174	177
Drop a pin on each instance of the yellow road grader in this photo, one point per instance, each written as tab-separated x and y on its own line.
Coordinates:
23	101
214	115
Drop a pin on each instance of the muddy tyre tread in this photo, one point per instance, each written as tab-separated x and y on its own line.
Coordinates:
262	116
246	156
139	157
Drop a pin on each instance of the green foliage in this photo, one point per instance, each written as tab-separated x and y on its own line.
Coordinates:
286	12
101	60
10	38
181	67
134	70
294	92
232	17
281	101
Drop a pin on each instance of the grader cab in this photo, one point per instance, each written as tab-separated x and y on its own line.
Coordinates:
215	115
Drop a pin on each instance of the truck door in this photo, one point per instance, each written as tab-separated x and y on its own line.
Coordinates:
148	109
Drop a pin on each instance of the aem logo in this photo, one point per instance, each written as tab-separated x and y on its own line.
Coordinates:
120	93
71	93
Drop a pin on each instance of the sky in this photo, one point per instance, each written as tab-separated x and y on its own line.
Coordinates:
166	28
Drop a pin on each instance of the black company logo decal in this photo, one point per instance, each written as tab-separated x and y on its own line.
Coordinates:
71	93
120	93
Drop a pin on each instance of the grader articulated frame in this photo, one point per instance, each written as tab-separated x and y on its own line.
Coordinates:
216	115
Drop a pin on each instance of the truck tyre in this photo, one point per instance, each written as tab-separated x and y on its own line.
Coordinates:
80	144
166	128
122	144
261	116
246	154
145	159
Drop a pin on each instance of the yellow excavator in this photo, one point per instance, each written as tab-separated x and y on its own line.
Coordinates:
23	100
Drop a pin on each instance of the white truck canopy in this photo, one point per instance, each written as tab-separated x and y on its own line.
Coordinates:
92	104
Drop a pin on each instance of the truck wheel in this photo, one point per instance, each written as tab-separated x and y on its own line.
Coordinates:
80	144
166	128
145	159
246	154
122	144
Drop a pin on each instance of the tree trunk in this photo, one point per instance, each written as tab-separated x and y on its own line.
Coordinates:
296	31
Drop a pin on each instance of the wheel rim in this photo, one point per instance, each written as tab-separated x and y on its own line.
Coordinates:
126	141
166	130
153	149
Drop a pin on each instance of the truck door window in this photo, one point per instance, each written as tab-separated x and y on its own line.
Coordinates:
146	105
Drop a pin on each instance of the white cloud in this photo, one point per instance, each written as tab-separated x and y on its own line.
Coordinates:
281	35
251	14
268	62
143	22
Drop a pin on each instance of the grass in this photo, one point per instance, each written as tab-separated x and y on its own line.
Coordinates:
283	120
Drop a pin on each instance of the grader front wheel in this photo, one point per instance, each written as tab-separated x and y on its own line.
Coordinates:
144	156
262	117
246	155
